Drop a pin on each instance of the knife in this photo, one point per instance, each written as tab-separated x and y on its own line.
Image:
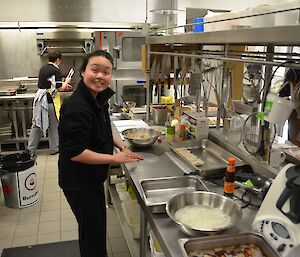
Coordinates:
71	73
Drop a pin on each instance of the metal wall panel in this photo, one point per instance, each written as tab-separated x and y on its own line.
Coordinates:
70	10
99	11
18	54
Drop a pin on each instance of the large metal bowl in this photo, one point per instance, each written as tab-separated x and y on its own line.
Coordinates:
225	204
149	137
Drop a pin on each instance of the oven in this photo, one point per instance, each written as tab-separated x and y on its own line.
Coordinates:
131	90
124	46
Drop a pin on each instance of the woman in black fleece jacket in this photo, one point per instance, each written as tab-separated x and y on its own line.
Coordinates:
86	150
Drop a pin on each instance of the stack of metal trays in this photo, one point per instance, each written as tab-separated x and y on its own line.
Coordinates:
157	191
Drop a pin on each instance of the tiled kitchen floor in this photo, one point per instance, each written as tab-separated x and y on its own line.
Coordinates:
51	219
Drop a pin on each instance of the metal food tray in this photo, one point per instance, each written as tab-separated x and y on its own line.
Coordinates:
157	191
207	243
214	157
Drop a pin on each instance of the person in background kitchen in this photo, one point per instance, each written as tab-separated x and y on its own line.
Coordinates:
86	150
45	120
293	89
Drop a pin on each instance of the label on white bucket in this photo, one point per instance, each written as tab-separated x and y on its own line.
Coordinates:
28	192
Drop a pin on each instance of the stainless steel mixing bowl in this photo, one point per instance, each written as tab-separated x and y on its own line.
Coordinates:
149	137
225	204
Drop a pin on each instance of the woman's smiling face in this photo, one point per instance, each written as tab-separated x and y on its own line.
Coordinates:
98	74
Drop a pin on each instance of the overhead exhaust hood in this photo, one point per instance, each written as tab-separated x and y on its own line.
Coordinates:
73	43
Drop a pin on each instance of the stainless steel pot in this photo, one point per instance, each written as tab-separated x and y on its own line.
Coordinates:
160	114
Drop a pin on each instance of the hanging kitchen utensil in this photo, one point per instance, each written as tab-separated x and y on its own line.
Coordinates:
153	70
233	128
168	70
176	83
186	65
252	134
225	93
163	65
156	80
71	73
250	93
163	73
152	74
183	72
195	82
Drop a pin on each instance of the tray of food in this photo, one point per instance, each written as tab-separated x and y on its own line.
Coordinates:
208	161
246	244
157	191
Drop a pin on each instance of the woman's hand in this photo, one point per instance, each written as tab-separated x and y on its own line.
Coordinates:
68	87
135	155
127	156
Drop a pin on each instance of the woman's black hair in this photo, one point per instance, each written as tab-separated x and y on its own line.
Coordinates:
93	54
53	55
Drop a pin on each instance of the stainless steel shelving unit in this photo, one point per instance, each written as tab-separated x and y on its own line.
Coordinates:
276	35
166	233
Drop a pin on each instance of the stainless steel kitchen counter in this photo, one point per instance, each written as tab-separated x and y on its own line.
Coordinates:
24	96
160	162
18	96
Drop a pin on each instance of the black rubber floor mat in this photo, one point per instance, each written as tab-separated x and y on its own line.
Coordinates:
59	249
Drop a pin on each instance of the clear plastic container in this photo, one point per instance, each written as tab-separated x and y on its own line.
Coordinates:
122	192
131	210
156	250
277	109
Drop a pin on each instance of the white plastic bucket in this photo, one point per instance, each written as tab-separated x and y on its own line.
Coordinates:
277	109
20	188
